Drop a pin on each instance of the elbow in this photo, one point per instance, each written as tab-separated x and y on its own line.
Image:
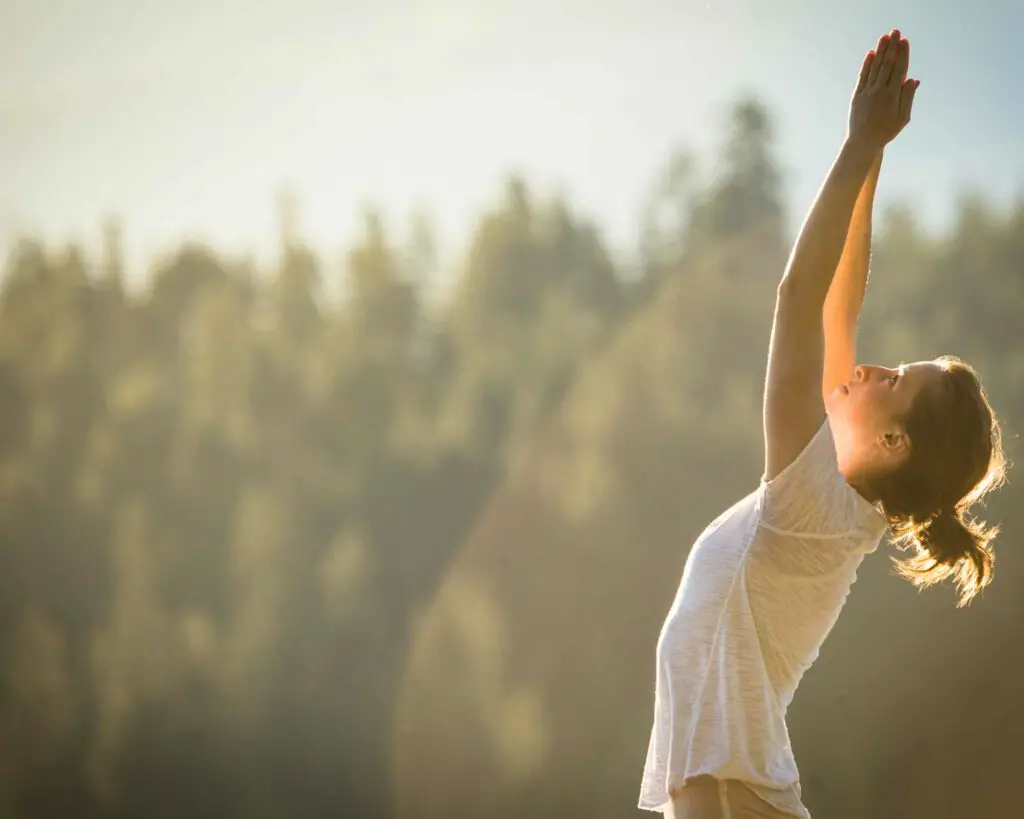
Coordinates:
801	293
797	304
786	286
790	292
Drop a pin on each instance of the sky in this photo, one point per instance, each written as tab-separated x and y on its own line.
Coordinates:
186	119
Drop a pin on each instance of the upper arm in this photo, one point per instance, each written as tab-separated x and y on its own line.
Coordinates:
793	405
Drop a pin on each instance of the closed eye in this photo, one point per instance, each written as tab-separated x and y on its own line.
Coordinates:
893	379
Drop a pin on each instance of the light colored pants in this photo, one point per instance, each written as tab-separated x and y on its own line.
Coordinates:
709	798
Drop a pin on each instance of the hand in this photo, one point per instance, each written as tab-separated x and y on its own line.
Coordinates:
883	98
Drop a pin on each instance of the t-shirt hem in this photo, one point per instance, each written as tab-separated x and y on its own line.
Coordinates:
657	804
661	803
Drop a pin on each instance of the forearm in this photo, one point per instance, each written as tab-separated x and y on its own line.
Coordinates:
819	246
846	294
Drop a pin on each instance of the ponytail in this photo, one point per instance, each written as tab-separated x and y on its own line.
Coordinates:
948	545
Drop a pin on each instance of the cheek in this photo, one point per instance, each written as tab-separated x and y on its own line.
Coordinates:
857	411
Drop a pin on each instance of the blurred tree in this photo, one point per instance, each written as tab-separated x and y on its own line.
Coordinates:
746	192
536	299
666	220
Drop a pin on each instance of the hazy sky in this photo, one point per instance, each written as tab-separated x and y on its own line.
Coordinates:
185	117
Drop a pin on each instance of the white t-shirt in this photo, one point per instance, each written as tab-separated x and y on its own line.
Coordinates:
762	588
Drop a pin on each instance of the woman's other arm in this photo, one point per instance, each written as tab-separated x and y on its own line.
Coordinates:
846	294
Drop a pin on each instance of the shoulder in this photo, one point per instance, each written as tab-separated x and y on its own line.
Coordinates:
816	458
811	495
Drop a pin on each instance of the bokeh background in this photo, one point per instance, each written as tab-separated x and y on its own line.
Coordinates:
366	371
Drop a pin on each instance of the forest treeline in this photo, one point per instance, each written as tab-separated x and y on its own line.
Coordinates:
267	554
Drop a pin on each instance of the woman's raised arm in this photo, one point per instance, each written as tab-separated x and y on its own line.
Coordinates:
793	405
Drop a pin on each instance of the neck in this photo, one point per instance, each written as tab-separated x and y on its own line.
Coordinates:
860	479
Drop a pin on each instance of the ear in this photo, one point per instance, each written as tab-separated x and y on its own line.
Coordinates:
894	441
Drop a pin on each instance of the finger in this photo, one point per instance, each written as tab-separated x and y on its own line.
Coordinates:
889	60
865	70
878	62
902	64
907	92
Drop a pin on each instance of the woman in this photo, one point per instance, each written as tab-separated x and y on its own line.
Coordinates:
849	452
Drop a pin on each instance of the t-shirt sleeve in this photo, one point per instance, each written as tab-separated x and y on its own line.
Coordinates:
811	496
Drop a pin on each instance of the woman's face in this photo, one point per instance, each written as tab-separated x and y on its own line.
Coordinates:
864	413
